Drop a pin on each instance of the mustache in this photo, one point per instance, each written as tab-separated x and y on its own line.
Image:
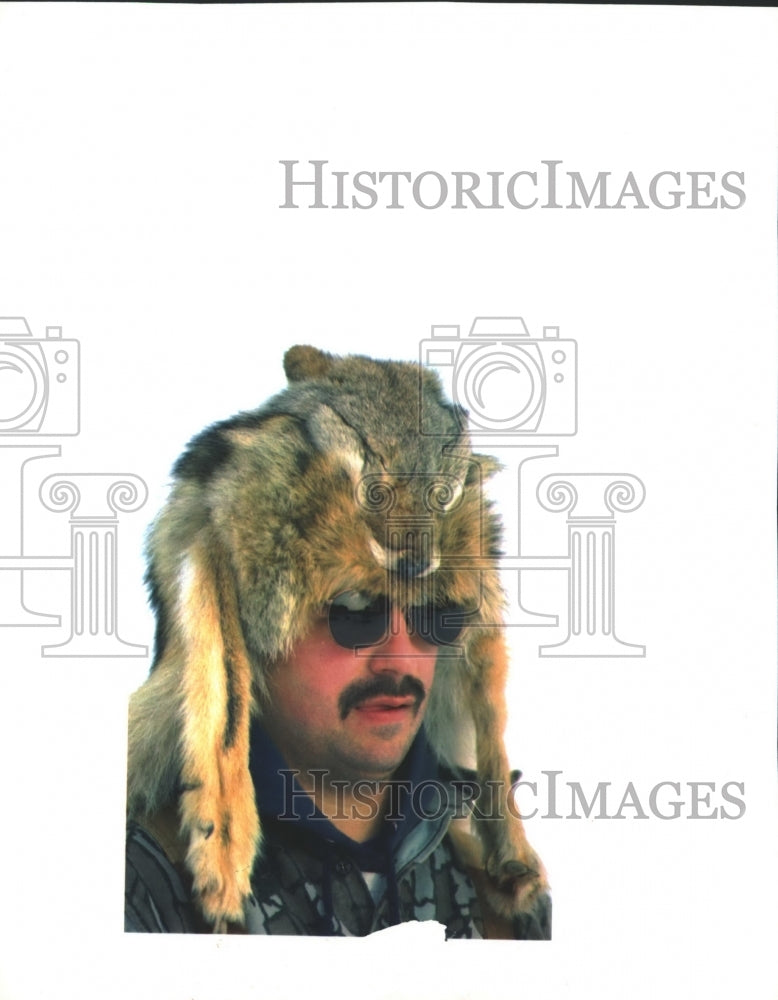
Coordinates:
384	684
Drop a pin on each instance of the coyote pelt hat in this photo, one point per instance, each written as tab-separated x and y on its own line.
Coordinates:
358	476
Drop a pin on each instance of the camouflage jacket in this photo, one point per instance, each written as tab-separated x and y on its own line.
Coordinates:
311	879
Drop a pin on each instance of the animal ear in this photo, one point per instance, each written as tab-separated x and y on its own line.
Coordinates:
482	467
302	363
218	813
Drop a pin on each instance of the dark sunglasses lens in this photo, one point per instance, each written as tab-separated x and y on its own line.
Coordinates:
357	621
439	626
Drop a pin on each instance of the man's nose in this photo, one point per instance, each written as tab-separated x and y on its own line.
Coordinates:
399	642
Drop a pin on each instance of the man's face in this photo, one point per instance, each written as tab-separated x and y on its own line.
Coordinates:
353	713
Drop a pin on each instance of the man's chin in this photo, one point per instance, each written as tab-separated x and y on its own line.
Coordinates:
374	763
377	742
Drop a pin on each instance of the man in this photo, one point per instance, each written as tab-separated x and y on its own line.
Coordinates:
328	606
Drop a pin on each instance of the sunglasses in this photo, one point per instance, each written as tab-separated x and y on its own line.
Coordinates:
357	620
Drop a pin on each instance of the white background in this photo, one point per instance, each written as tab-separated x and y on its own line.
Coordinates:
139	194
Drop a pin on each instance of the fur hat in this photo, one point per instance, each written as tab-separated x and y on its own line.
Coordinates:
359	476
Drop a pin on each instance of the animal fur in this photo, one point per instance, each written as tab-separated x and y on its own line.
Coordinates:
329	486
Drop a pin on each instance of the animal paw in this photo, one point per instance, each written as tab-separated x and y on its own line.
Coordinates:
220	879
516	886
